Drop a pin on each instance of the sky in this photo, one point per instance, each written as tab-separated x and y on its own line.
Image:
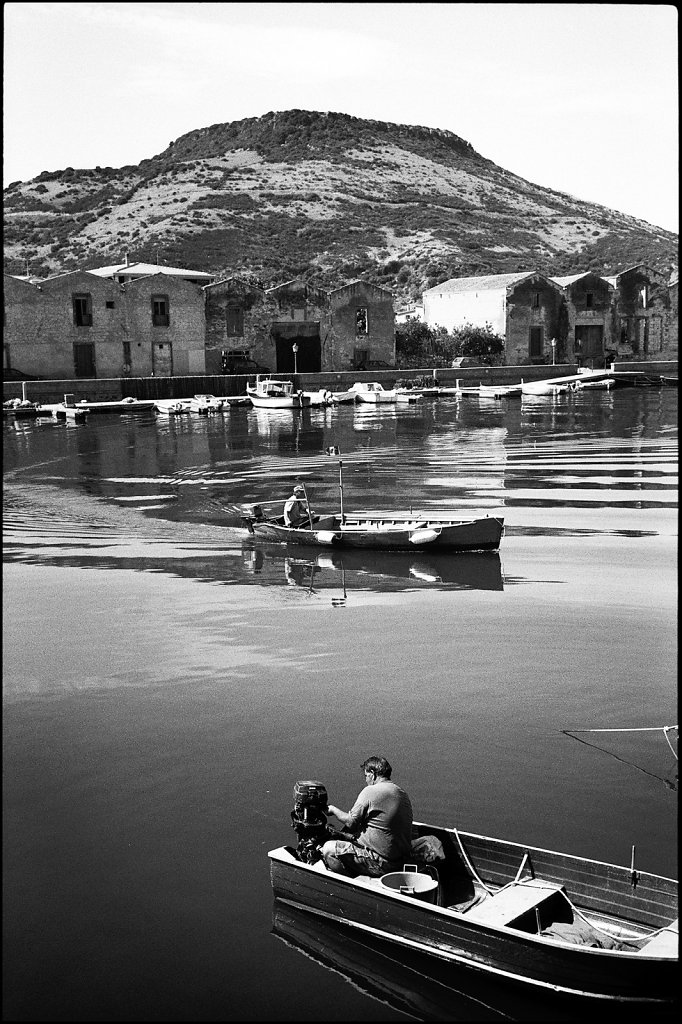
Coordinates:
580	98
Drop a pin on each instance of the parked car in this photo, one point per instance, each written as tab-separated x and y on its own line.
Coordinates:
374	364
243	364
464	361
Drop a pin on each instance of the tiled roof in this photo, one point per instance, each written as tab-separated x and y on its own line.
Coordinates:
493	282
146	269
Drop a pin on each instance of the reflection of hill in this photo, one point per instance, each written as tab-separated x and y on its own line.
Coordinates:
379	570
406	980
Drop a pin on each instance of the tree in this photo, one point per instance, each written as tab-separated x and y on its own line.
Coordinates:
479	342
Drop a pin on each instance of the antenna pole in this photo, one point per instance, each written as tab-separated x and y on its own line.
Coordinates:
341	488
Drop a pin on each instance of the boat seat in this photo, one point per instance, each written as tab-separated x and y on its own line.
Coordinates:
666	943
514	901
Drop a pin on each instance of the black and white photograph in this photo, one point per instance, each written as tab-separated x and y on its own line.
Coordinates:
340	512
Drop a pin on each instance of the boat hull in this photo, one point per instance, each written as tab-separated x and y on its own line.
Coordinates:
280	402
509	953
473	535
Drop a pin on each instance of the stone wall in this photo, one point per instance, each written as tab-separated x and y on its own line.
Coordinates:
376	336
537	304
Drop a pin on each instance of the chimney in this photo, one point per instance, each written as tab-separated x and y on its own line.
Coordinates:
126	259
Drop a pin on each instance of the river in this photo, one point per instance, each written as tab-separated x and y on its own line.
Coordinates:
166	682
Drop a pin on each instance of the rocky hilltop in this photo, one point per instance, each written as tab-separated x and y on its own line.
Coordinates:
325	196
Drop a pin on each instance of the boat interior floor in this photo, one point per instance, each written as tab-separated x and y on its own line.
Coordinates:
524	903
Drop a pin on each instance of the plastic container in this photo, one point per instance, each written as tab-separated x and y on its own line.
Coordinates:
410	883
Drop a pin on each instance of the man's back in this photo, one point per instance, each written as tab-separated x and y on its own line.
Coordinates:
384	813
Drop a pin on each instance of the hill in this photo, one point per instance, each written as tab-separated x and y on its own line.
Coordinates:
325	196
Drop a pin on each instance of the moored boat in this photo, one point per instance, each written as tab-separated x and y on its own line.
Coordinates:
171	407
206	405
269	393
343	397
549	922
373	393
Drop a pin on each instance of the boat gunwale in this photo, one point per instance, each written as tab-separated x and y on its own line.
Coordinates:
447	913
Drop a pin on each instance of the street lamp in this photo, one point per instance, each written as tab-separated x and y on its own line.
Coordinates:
294	348
553	344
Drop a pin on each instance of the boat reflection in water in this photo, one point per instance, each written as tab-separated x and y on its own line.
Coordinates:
407	980
376	570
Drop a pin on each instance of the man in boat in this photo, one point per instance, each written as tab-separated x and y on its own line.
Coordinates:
380	822
296	508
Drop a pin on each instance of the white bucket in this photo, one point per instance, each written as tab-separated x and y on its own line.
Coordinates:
410	883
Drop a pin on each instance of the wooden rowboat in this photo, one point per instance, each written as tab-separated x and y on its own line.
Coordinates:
391	531
545	921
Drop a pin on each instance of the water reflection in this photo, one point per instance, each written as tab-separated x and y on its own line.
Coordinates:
374	570
409	981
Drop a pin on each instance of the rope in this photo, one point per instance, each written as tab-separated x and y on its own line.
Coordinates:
471	867
666	730
653	728
604	931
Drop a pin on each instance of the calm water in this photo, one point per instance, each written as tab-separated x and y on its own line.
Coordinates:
166	684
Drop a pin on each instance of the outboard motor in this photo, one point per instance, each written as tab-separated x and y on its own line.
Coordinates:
309	819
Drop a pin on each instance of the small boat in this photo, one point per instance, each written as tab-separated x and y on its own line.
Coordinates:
408	394
546	922
602	385
123	405
499	390
373	393
269	393
391	531
540	387
343	397
23	409
171	407
319	397
206	405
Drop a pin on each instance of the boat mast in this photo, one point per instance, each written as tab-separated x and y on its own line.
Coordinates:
333	450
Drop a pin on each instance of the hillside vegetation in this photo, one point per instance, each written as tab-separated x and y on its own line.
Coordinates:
323	196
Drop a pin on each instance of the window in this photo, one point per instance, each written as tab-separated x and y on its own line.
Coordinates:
109	304
235	321
361	326
360	357
536	300
82	310
589	300
127	358
535	346
160	311
84	359
643	297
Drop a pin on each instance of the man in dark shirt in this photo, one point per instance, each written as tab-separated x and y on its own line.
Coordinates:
380	821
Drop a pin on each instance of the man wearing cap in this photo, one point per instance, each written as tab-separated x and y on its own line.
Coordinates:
295	508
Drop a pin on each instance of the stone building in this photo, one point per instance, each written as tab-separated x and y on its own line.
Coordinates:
526	309
363	326
642	308
672	325
300	317
83	325
330	331
236	323
591	319
588	336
